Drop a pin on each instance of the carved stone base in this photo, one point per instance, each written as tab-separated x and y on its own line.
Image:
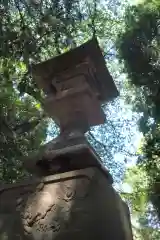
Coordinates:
65	153
78	205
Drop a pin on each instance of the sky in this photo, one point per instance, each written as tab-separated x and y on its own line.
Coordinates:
134	2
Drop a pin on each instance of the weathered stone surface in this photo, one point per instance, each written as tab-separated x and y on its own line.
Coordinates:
86	59
63	154
75	108
75	85
77	205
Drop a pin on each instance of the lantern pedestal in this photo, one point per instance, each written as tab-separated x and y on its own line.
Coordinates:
79	204
63	154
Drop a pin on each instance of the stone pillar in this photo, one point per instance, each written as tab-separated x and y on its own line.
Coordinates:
80	204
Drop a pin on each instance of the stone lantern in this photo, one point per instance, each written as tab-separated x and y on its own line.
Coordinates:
75	85
71	196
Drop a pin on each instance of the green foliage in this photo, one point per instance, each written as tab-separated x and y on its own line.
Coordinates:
136	178
150	160
144	220
15	141
138	49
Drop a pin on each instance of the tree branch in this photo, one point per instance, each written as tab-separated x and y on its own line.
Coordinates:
20	14
103	145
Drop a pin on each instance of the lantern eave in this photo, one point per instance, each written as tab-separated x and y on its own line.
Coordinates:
45	71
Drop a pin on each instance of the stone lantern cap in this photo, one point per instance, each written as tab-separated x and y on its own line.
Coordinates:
87	62
75	84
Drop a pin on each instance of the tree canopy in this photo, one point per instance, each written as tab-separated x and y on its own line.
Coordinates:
145	223
138	48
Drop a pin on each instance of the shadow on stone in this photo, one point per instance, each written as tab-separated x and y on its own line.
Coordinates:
79	204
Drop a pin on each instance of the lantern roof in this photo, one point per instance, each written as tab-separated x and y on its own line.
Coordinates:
89	52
